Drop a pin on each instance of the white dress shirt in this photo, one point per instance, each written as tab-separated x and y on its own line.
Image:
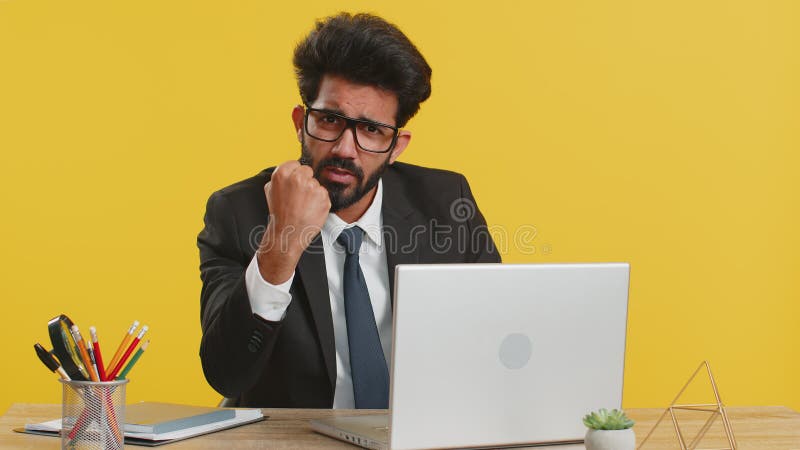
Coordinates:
270	301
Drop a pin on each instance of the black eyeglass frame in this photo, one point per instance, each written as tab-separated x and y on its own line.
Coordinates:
351	124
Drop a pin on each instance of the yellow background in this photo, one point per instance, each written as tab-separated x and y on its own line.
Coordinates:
660	133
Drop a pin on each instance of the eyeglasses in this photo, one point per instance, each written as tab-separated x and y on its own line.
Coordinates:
327	126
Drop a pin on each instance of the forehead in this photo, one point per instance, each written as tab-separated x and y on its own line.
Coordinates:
356	100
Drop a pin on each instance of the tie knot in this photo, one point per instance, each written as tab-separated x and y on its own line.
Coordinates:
350	239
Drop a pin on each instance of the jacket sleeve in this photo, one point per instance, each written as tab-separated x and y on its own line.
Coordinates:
480	245
236	344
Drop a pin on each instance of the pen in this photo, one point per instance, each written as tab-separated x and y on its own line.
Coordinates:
113	373
92	359
122	345
101	371
135	358
76	334
50	361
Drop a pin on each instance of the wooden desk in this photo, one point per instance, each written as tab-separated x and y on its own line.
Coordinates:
762	427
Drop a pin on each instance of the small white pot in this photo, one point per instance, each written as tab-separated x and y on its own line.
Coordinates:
610	439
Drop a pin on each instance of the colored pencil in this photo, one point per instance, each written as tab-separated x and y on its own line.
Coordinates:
87	362
135	358
97	355
116	369
122	346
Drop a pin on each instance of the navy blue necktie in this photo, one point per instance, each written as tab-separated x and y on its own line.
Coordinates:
367	363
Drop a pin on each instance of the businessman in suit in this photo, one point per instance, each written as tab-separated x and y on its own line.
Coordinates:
297	262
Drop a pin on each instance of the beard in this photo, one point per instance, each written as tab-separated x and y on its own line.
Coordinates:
338	192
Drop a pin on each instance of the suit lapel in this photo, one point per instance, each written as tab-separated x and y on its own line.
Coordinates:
311	269
399	222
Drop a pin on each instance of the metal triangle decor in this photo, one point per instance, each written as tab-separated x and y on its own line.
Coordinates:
716	409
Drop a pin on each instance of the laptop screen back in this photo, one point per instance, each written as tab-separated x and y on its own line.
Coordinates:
503	354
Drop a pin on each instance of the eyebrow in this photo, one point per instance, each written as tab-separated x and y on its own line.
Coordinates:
341	113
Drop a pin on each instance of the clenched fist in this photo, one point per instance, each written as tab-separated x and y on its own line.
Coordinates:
298	207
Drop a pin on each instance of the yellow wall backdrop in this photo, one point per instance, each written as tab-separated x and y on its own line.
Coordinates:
660	133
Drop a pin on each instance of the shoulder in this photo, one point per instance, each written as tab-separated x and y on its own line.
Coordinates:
423	182
248	184
422	189
245	191
410	173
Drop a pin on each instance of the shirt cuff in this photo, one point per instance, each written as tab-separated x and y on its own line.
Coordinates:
266	299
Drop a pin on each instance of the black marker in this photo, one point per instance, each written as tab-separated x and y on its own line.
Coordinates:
50	361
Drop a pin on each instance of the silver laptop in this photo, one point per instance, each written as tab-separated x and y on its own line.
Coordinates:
492	355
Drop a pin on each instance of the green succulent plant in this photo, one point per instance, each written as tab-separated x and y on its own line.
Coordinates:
607	420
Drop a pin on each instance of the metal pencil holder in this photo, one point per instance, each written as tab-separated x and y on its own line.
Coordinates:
93	414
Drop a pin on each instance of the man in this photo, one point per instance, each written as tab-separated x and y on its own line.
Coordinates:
297	262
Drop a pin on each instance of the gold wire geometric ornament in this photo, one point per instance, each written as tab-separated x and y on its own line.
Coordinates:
716	409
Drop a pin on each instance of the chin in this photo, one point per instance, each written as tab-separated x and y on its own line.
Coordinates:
340	189
343	199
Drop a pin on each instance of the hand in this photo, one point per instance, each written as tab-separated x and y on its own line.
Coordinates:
298	207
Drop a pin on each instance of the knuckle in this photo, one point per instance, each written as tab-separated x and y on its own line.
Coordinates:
306	171
284	170
323	195
298	179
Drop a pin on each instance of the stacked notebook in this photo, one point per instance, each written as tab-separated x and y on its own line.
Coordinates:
151	423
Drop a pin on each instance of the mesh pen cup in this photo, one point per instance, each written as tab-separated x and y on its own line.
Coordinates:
93	414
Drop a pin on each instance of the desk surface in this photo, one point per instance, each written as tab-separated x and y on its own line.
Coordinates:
761	427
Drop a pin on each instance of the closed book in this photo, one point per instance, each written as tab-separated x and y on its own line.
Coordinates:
157	418
145	416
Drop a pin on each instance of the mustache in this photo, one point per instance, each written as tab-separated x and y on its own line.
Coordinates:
341	163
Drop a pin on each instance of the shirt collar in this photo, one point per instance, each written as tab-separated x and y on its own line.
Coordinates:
370	222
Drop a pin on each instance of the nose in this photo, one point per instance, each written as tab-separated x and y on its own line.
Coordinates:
346	146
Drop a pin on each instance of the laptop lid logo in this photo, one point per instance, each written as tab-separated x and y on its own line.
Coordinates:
515	351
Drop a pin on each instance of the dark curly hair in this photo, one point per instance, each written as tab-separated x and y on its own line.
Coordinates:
363	49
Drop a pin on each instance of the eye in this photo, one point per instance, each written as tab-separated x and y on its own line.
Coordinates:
372	129
330	118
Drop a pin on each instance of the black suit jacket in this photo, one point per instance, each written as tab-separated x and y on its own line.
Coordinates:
429	216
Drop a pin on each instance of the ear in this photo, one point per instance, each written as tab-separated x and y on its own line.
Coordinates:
403	138
298	115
